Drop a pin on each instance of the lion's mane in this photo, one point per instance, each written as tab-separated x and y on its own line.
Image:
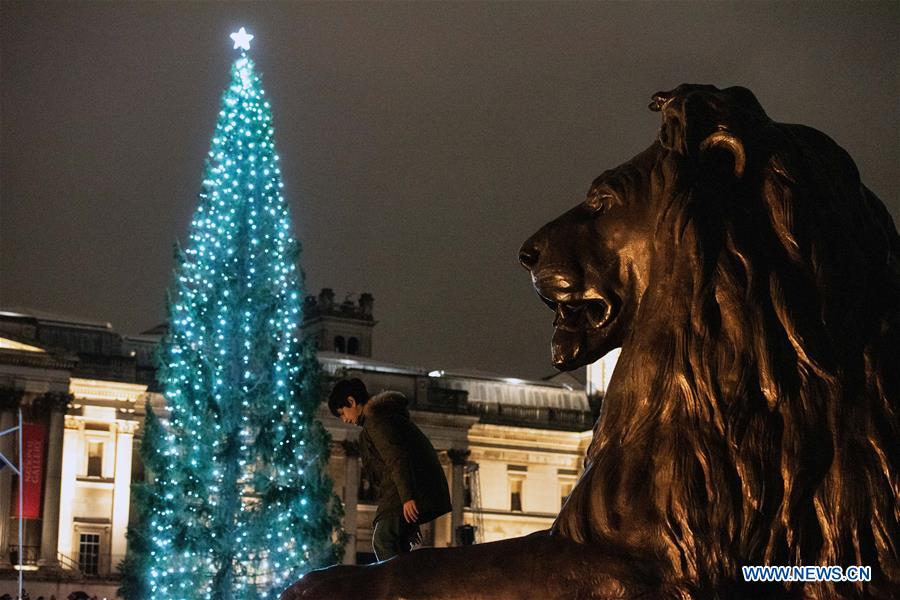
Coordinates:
752	418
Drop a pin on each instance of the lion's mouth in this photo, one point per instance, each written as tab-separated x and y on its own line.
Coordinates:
581	315
578	323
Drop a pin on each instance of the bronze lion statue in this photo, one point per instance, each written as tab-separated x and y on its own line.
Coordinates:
753	284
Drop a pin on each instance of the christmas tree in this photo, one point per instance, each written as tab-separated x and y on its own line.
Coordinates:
237	503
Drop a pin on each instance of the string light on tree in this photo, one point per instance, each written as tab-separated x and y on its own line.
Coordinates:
237	505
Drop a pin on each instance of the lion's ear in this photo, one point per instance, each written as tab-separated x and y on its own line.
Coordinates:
696	124
728	142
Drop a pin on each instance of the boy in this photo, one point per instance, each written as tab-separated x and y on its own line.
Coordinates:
398	459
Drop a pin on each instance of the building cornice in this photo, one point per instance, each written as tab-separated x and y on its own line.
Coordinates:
36	360
96	389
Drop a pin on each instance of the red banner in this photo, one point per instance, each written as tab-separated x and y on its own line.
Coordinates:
32	471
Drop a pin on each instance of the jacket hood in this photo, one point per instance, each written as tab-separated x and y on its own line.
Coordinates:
385	403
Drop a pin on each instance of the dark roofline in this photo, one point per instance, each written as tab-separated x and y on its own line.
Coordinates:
44	317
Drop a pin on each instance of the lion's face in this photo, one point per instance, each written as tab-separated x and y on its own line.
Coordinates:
590	265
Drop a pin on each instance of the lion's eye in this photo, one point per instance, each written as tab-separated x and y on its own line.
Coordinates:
598	203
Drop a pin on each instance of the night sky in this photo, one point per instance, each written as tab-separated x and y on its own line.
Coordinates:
421	144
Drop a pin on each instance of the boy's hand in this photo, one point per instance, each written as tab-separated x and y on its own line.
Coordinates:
410	511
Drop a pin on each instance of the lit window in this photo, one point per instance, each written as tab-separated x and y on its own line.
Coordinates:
95	459
89	553
515	494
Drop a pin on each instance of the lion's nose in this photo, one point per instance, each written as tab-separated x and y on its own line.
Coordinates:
529	254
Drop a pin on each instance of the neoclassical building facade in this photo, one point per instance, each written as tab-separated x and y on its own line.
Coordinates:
76	385
511	449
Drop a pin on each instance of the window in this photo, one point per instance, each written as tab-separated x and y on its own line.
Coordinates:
567	479
353	346
515	494
467	490
89	553
565	488
515	476
94	459
339	343
366	490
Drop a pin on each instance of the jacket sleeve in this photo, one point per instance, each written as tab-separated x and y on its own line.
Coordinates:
387	436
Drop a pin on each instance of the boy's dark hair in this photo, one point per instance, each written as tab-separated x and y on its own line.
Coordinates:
354	388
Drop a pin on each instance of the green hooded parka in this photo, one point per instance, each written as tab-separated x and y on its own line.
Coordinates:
400	461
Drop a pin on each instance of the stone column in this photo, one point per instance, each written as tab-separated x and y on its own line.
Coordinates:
9	402
121	490
72	449
459	458
57	405
351	498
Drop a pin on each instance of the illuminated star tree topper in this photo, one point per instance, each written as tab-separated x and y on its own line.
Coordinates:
241	39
